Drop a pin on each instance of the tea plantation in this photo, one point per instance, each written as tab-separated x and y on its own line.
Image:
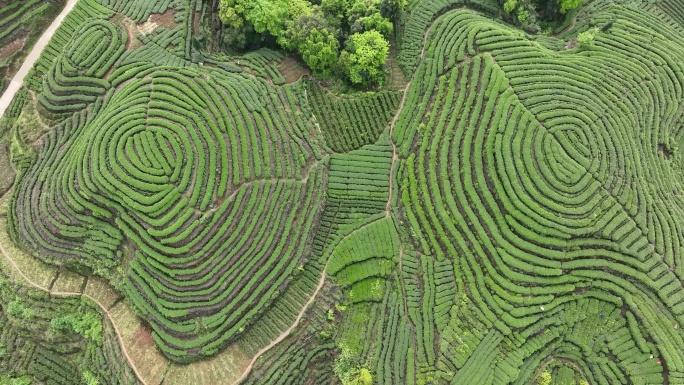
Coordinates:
177	213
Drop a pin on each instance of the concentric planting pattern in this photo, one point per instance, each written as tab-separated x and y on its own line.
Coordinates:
192	183
538	188
548	177
76	76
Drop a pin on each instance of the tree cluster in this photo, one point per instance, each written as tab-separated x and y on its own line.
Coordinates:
531	14
345	37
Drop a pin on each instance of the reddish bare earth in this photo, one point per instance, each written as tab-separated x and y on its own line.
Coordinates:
12	47
144	337
292	69
164	19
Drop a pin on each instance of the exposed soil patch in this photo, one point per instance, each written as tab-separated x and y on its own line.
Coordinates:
157	20
292	69
122	20
132	42
147	27
195	22
164	19
6	171
571	44
118	18
12	47
144	337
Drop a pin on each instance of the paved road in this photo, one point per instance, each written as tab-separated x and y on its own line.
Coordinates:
18	79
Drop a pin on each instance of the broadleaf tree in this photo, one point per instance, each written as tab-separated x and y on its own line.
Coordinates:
363	57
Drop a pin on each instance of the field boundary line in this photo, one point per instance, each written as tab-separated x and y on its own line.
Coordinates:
321	283
76	294
393	122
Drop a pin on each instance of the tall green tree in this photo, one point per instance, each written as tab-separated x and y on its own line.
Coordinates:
363	57
269	16
568	5
315	32
375	21
365	15
336	9
391	8
315	40
319	51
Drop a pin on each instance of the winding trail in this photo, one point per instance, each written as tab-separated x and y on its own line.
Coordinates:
287	331
18	79
14	87
395	157
76	294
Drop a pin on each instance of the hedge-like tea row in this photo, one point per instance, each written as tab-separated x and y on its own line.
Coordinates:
201	177
358	191
51	368
17	13
546	180
83	12
363	260
305	354
349	123
76	77
417	18
108	364
138	10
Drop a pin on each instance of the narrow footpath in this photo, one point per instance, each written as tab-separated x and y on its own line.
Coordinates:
76	294
9	94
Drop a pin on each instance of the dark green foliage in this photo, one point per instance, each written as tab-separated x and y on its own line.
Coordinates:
319	51
347	123
31	348
315	32
363	58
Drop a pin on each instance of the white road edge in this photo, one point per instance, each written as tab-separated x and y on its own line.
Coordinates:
18	79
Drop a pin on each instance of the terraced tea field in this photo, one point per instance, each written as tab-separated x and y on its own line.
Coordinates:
176	215
21	23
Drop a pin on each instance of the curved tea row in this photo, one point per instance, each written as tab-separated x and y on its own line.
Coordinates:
76	76
194	184
546	179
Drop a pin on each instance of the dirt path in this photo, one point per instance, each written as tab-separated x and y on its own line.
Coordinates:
287	332
395	157
77	294
32	57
